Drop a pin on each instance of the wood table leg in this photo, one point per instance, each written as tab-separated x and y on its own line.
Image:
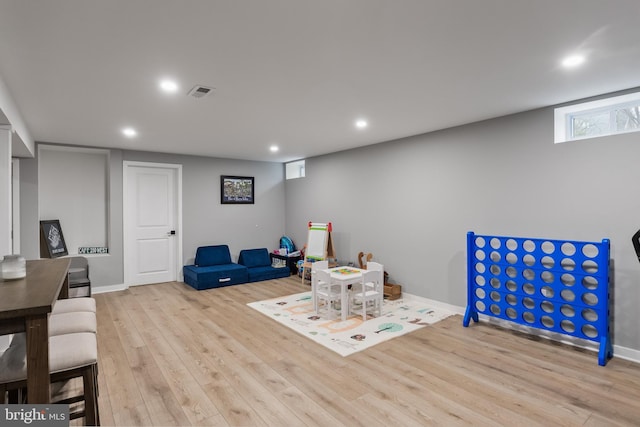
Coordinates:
38	379
64	292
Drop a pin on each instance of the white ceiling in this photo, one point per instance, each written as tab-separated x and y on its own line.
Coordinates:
298	73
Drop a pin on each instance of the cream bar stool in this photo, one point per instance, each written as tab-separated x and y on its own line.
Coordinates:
73	315
70	356
72	322
59	324
74	304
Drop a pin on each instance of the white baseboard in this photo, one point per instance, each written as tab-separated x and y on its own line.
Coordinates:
626	353
108	288
449	307
618	351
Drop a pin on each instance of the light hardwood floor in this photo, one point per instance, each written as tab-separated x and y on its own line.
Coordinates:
170	355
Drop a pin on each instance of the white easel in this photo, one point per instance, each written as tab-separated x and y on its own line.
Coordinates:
319	246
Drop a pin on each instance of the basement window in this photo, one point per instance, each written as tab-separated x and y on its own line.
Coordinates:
295	169
609	116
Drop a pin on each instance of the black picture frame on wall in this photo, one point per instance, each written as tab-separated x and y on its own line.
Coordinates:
52	244
236	190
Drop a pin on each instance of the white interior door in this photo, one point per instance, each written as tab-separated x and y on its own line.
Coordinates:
152	218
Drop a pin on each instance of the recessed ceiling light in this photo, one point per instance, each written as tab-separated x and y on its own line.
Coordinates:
274	148
573	61
168	86
361	124
129	132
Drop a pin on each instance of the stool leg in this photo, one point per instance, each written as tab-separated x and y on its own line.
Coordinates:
14	396
96	392
90	398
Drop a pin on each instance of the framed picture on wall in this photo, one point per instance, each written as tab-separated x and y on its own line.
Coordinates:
236	189
52	243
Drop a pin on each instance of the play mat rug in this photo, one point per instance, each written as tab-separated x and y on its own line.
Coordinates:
398	318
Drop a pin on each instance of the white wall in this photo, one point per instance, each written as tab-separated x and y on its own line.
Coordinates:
105	270
73	188
411	202
205	220
29	211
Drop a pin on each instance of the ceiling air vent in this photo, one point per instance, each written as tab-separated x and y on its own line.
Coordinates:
200	91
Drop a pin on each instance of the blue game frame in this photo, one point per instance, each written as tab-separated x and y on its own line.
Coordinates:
555	285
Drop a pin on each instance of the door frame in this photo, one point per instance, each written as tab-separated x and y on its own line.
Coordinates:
126	220
15	201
